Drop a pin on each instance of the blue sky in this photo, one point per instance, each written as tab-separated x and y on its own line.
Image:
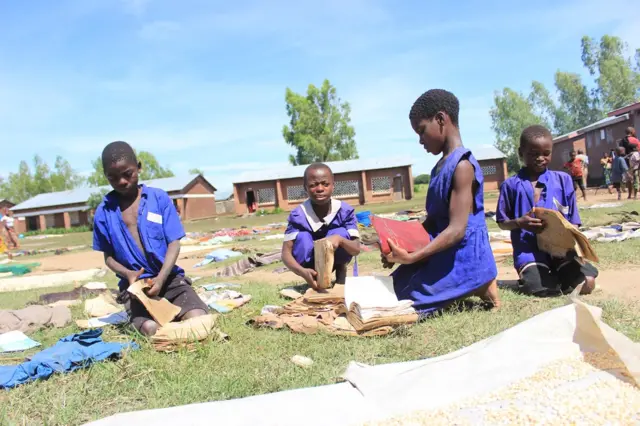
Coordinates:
200	83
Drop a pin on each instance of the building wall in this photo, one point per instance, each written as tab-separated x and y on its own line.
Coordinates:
56	220
198	208
494	172
5	204
562	149
282	189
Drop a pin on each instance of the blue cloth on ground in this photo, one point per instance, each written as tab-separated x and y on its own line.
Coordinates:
69	354
218	256
364	218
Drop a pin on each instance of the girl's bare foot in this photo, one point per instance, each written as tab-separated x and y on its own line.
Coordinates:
489	294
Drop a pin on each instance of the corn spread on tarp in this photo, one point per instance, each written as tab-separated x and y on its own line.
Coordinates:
570	346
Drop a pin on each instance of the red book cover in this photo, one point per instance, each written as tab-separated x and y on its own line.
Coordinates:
410	235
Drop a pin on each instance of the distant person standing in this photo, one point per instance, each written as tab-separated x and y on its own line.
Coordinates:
605	162
575	168
628	141
619	171
8	222
634	172
585	166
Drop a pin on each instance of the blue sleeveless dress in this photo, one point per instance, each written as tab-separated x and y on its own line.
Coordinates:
461	269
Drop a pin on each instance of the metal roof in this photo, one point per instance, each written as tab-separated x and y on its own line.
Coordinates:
54	211
337	167
82	194
607	121
624	109
487	152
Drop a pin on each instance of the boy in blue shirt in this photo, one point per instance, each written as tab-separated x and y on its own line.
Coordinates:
139	231
536	186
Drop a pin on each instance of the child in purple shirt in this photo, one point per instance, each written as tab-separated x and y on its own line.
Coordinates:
536	186
320	217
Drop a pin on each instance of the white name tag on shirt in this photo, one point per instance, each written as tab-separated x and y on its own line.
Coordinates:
154	217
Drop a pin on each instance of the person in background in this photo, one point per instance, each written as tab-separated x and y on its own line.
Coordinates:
605	162
536	186
585	166
321	216
619	171
575	168
8	225
458	261
628	141
634	171
137	229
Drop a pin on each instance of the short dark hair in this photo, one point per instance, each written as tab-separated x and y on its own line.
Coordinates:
117	151
434	101
630	130
312	167
532	133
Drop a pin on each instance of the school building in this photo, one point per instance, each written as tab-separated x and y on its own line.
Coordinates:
356	182
493	163
596	139
193	196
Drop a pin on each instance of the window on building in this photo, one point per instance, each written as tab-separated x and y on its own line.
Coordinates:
381	185
74	218
346	188
489	170
603	134
266	196
296	193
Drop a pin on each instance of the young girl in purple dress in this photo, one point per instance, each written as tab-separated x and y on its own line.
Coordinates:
458	261
320	217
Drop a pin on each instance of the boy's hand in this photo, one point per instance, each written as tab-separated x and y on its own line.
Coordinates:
399	255
155	288
336	241
133	276
309	276
530	223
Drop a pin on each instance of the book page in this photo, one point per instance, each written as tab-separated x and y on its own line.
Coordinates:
370	292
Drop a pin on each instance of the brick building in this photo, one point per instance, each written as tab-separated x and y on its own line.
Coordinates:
193	196
596	139
494	166
356	182
5	204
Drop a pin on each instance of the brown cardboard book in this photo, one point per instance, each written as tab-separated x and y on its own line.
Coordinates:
323	254
161	310
560	236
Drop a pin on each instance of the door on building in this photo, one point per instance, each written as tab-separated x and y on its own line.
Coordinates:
397	188
251	201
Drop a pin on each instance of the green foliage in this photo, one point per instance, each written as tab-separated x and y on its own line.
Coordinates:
265	212
151	169
616	84
59	231
196	171
96	198
422	179
319	128
27	182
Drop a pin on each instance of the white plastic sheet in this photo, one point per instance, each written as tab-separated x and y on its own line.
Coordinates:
374	393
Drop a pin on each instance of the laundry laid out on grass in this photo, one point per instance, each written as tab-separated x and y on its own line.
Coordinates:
71	353
16	341
33	318
250	263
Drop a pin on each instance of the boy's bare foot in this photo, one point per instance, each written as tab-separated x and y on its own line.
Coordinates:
588	286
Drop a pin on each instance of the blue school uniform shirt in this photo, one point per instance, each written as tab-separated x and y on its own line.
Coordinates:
304	219
618	169
158	225
516	200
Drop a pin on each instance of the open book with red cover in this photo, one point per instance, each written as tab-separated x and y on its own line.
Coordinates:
410	235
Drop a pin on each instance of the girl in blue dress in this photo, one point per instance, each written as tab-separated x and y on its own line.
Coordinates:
458	261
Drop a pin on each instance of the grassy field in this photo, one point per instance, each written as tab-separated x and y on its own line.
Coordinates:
258	361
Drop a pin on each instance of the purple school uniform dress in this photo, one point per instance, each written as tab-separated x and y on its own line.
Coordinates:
461	269
305	227
516	200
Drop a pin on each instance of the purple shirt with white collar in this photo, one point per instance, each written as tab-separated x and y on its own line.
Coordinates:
305	227
516	200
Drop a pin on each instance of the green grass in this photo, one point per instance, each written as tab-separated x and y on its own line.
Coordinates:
254	361
257	361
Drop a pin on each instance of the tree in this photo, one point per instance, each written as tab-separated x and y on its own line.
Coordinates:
511	113
577	107
196	171
422	179
151	169
94	201
24	184
618	84
319	128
